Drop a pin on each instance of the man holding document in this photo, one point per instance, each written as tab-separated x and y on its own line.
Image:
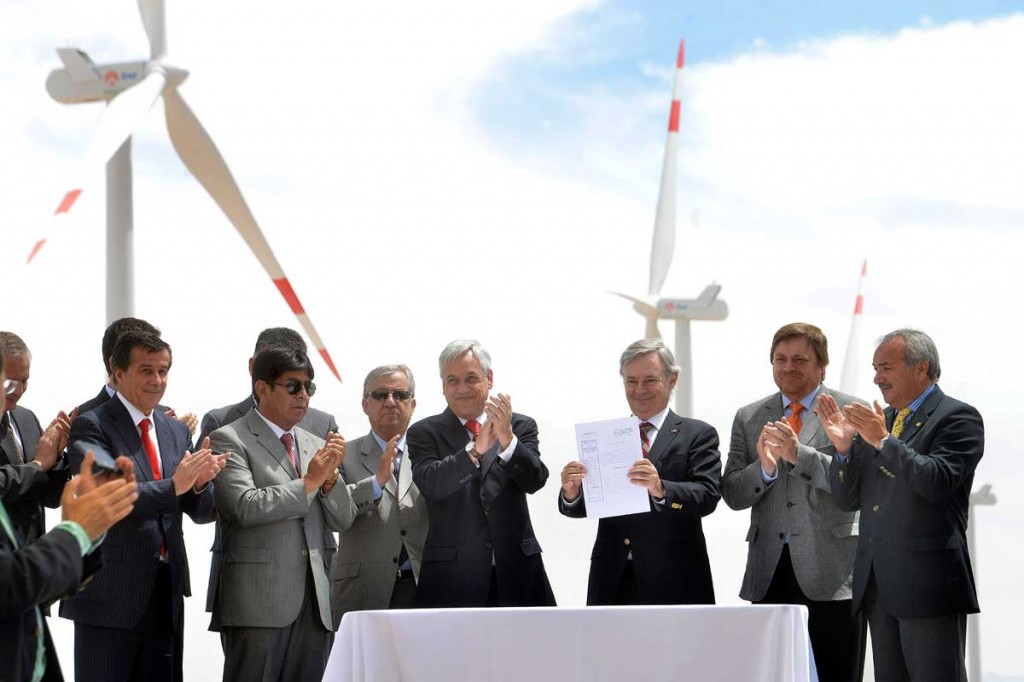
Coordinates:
658	554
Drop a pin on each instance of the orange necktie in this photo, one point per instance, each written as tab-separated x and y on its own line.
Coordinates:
794	418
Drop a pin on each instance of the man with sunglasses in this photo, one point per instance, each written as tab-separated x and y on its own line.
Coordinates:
379	556
34	455
277	500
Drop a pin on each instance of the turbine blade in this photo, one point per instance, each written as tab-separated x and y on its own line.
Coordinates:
204	161
848	381
652	331
123	115
664	242
153	14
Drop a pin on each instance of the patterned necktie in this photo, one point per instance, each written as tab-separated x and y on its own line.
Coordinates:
795	420
150	448
644	440
474	428
289	445
9	434
901	417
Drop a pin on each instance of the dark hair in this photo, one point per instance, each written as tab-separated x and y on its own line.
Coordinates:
271	363
12	345
114	331
121	358
279	337
815	337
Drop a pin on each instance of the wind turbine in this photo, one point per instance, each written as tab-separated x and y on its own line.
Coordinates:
653	307
848	381
130	90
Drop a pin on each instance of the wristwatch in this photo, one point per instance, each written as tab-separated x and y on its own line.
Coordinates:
471	451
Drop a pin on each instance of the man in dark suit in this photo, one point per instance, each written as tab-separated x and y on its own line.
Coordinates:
24	444
318	423
34	574
800	544
909	469
129	622
475	463
658	556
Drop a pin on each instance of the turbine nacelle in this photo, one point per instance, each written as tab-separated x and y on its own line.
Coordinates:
81	80
707	306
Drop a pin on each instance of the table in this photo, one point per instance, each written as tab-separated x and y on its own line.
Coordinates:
592	644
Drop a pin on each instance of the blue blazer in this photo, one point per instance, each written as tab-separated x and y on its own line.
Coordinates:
119	594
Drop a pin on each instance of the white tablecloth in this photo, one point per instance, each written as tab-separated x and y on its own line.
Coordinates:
624	644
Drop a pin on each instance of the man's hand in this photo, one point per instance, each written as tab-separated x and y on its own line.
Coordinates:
209	472
870	424
189	420
499	417
644	474
387	461
190	468
782	439
97	506
837	427
768	460
323	468
572	480
485	440
54	440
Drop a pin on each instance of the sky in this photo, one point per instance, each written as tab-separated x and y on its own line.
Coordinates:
426	172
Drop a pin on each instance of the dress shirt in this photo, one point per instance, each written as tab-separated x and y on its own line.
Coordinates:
137	417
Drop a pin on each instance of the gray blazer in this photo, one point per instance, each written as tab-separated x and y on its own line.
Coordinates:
363	574
272	531
822	539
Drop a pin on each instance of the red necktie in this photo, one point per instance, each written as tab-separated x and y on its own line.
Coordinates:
289	445
644	440
794	417
150	447
474	428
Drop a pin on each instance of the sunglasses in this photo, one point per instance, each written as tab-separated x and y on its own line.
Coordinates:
294	386
12	386
381	394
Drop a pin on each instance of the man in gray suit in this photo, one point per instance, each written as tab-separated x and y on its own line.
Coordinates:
801	546
277	498
379	556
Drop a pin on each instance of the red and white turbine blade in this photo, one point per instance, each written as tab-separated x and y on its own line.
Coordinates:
153	15
664	242
123	115
848	382
200	156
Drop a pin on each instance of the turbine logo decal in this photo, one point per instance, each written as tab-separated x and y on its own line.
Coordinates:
112	77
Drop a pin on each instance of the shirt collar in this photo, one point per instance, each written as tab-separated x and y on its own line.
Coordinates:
384	444
134	412
921	398
278	431
807	401
657	420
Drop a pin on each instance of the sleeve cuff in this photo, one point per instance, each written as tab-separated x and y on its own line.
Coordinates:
507	453
377	490
84	543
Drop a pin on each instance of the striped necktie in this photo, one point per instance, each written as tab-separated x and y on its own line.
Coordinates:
644	440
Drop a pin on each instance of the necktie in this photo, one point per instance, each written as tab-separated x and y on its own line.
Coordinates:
9	434
644	440
901	417
148	445
795	420
289	445
474	428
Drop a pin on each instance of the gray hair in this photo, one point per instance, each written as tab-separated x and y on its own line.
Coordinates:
918	347
456	349
387	370
12	345
645	346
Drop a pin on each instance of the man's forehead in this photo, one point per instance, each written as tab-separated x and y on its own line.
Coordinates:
390	380
148	358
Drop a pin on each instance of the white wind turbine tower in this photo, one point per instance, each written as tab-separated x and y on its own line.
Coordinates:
848	381
130	89
707	306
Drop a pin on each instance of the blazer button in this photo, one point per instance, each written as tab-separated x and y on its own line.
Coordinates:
394	559
489	545
757	490
806	477
789	504
875	508
403	532
782	536
626	542
304	552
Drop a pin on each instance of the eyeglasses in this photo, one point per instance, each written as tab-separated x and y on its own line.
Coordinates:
381	394
294	386
12	386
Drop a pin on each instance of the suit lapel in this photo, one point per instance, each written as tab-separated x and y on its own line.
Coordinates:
305	446
264	435
369	456
8	445
811	431
666	434
916	420
130	436
169	456
28	429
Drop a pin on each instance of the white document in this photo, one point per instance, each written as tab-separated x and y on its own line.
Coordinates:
608	449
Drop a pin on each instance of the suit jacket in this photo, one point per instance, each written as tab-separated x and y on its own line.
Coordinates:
670	556
316	422
478	514
913	496
33	575
120	593
26	511
272	531
822	537
94	402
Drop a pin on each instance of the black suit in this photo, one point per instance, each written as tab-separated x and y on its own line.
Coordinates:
32	576
478	514
27	512
122	596
912	558
670	557
94	402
